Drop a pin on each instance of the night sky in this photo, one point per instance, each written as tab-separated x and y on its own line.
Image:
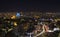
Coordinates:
29	5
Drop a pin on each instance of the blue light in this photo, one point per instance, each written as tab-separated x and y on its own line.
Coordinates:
18	14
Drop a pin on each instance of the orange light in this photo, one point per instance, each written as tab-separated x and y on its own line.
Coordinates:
13	17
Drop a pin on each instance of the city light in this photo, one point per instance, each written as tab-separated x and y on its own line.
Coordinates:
18	14
15	24
13	17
